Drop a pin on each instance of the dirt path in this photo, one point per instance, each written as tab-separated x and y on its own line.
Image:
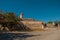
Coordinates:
48	35
52	36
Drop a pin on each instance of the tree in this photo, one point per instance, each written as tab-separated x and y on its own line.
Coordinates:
57	23
11	19
50	22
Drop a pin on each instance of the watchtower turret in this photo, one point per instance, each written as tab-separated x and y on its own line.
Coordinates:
21	15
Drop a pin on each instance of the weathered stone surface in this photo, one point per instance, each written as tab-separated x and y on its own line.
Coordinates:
50	25
33	24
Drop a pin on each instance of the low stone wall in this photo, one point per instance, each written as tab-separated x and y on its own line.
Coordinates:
33	24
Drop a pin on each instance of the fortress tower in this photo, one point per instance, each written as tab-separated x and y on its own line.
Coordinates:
21	15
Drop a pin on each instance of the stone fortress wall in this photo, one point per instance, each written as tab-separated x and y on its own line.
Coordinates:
33	24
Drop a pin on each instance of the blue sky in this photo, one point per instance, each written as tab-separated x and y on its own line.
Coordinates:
45	10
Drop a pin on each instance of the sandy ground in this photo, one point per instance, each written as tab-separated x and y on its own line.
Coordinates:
53	34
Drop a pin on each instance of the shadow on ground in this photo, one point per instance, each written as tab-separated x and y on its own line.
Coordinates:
21	36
